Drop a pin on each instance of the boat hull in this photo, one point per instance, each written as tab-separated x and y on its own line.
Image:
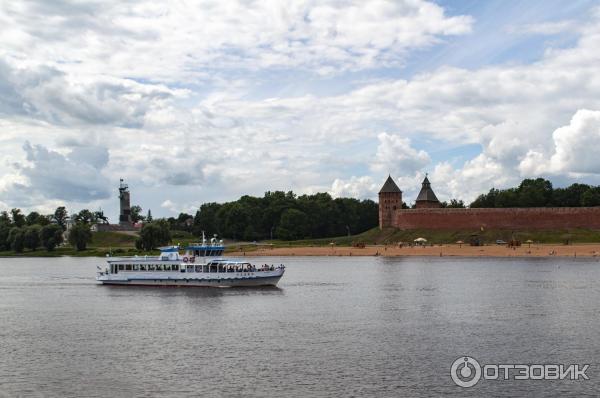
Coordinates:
194	280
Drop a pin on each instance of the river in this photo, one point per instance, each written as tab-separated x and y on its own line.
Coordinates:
335	326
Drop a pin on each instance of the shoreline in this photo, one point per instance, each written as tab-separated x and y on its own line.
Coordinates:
584	250
453	250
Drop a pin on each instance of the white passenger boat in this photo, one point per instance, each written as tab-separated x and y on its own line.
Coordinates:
201	265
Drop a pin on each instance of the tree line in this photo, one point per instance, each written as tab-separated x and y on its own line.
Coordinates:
34	230
282	215
539	192
276	215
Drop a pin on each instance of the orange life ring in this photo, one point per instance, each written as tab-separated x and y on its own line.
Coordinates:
185	259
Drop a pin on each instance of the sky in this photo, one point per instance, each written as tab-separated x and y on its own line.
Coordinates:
200	101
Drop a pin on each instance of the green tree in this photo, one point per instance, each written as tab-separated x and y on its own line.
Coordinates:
153	235
292	225
4	218
591	198
184	222
206	219
136	214
534	193
31	237
18	219
32	218
486	200
570	196
35	218
454	204
84	216
252	218
80	235
51	236
4	231
16	239
60	216
44	220
234	219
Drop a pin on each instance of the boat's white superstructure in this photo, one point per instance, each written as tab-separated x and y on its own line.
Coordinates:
201	265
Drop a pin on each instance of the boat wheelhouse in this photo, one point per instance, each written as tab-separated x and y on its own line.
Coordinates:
200	265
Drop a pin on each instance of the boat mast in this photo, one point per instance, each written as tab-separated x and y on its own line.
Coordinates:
203	248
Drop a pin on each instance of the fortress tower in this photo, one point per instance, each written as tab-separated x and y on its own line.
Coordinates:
125	205
426	198
429	215
390	200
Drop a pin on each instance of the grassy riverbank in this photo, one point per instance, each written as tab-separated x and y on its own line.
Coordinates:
102	243
116	243
388	236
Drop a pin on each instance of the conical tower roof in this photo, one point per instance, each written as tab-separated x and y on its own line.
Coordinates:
390	186
426	194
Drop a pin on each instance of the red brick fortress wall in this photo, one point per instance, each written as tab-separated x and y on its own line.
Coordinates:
512	218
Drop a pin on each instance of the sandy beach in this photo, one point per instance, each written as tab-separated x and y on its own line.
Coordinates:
536	250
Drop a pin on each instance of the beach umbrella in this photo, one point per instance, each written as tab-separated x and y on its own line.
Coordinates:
420	240
460	242
529	241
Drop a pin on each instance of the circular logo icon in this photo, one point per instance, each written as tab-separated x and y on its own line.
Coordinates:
465	372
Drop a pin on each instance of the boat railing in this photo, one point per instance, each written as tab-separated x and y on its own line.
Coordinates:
205	244
134	257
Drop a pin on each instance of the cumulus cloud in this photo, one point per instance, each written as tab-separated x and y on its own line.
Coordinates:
168	40
573	151
396	155
46	93
46	175
476	176
189	100
175	207
507	110
356	187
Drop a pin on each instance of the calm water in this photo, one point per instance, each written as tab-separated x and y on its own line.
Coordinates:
334	327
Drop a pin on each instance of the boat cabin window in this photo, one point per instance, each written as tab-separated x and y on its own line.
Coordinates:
121	267
127	267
